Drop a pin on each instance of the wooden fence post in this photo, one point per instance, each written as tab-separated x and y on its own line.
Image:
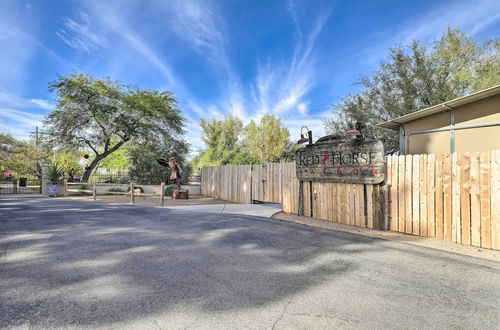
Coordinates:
162	193
94	191
132	201
65	187
386	189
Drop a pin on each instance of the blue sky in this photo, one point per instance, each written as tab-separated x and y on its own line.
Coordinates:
241	57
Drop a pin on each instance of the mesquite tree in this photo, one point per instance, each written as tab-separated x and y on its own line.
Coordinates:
102	115
417	77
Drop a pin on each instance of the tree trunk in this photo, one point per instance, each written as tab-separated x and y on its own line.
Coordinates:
98	158
90	168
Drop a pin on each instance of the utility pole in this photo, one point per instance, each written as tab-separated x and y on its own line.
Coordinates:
36	139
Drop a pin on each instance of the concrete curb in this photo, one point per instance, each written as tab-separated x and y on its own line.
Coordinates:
431	243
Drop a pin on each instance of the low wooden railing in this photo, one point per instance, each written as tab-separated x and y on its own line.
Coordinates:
131	193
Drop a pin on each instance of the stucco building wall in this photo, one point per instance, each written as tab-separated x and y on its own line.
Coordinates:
474	139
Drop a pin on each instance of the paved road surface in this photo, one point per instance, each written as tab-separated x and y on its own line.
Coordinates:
77	264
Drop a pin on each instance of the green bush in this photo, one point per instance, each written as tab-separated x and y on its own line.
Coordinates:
170	189
136	187
55	174
117	189
84	187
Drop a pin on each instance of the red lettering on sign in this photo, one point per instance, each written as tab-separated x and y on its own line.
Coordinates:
325	158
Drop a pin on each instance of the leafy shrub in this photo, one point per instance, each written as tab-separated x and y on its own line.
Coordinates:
170	189
117	189
84	187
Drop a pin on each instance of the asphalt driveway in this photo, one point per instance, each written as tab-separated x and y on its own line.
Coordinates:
78	264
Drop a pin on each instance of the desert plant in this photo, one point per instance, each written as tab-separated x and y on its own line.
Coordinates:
169	189
54	174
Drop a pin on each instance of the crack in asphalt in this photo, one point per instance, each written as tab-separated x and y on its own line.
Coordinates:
282	312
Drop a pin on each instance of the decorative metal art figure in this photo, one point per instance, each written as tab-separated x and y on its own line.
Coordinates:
176	170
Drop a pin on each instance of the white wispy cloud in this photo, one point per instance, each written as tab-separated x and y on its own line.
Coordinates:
44	104
12	101
470	16
280	86
202	27
79	35
19	123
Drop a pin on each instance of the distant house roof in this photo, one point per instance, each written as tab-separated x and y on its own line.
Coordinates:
394	124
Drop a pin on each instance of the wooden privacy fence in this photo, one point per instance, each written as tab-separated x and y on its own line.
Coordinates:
451	196
245	183
352	204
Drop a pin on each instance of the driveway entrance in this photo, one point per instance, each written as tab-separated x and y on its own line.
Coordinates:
69	264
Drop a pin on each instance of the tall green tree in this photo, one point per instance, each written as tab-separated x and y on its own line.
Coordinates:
102	115
415	77
222	139
69	162
21	157
267	140
144	168
228	142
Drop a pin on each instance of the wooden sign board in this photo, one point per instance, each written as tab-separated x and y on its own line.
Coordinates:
350	161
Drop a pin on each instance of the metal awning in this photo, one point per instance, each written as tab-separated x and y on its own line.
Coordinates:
395	123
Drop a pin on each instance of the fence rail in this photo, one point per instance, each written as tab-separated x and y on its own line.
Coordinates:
132	193
20	186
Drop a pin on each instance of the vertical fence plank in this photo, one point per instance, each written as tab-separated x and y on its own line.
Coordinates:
351	192
362	212
388	181
447	196
287	190
348	195
408	195
475	213
369	205
439	196
341	202
378	215
357	206
394	207
485	183
495	199
337	202
423	193
401	194
431	197
416	195
465	196
455	198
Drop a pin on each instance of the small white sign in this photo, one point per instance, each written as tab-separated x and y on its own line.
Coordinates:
53	189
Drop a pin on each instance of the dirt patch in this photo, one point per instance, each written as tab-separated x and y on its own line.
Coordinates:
395	236
153	200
